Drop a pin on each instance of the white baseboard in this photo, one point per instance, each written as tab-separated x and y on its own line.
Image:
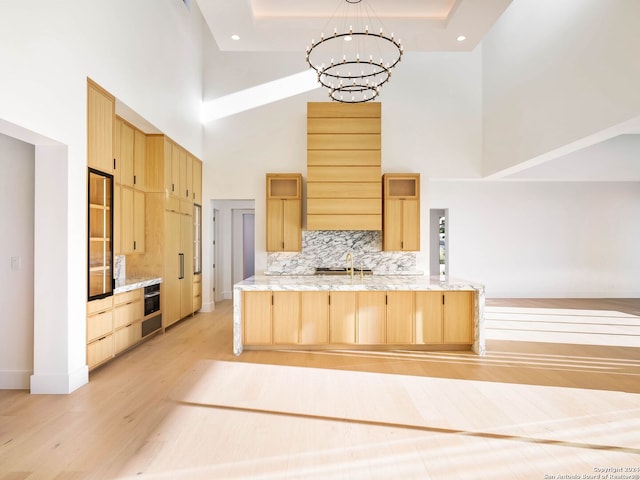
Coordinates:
59	383
14	379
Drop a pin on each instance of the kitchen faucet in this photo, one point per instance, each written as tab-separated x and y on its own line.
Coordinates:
349	261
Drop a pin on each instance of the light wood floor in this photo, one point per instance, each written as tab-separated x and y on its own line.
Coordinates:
181	406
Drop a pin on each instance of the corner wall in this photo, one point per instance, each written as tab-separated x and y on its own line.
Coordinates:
17	164
558	75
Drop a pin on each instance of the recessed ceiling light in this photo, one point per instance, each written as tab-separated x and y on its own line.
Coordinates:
235	37
461	38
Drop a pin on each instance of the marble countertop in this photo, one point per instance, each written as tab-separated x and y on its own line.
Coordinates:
344	282
134	283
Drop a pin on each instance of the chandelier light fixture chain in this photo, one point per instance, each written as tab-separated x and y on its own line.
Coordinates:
355	59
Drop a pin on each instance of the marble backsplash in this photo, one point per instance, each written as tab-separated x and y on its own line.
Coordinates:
329	248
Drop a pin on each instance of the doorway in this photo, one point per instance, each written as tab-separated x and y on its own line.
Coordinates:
233	246
439	242
243	244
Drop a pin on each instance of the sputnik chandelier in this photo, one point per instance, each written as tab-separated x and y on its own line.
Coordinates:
355	59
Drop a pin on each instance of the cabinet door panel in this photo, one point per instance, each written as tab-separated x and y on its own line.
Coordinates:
292	233
392	234
400	312
186	282
126	337
127	314
410	225
100	126
428	318
458	317
124	165
371	318
285	317
126	220
275	225
138	221
314	318
171	281
256	318
140	160
342	317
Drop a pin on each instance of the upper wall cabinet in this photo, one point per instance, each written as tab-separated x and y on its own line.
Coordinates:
100	128
344	190
129	155
401	218
284	212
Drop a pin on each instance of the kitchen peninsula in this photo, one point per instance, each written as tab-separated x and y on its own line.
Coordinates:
358	312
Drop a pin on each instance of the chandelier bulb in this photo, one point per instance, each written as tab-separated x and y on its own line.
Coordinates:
358	57
350	29
335	31
366	29
380	31
391	35
322	37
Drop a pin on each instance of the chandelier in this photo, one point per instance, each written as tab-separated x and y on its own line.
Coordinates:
355	59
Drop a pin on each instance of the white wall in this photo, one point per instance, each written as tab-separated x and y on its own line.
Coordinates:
544	239
434	130
17	164
557	73
147	53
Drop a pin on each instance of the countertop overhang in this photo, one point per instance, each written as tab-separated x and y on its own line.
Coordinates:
134	283
345	282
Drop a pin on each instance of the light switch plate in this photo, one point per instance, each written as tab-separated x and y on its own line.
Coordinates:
15	263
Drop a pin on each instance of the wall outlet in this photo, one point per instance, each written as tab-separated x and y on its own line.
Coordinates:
15	263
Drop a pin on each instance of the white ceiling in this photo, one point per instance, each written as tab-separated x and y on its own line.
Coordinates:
290	25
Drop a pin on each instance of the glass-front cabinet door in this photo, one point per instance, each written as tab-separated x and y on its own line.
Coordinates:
100	264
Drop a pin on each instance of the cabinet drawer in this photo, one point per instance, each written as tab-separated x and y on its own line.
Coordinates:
126	337
126	314
345	174
99	325
127	297
99	351
98	305
344	222
344	190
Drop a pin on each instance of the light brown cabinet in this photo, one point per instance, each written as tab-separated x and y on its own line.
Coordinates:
401	217
284	212
444	317
128	310
197	180
458	314
114	324
331	319
99	331
177	296
342	317
400	317
344	166
428	317
130	221
101	107
371	318
256	318
197	292
314	315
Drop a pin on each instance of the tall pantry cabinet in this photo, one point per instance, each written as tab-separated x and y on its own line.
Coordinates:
170	223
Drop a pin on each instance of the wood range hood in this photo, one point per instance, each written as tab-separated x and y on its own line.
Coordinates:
344	174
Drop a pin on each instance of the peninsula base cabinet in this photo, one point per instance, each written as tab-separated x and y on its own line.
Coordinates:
330	319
